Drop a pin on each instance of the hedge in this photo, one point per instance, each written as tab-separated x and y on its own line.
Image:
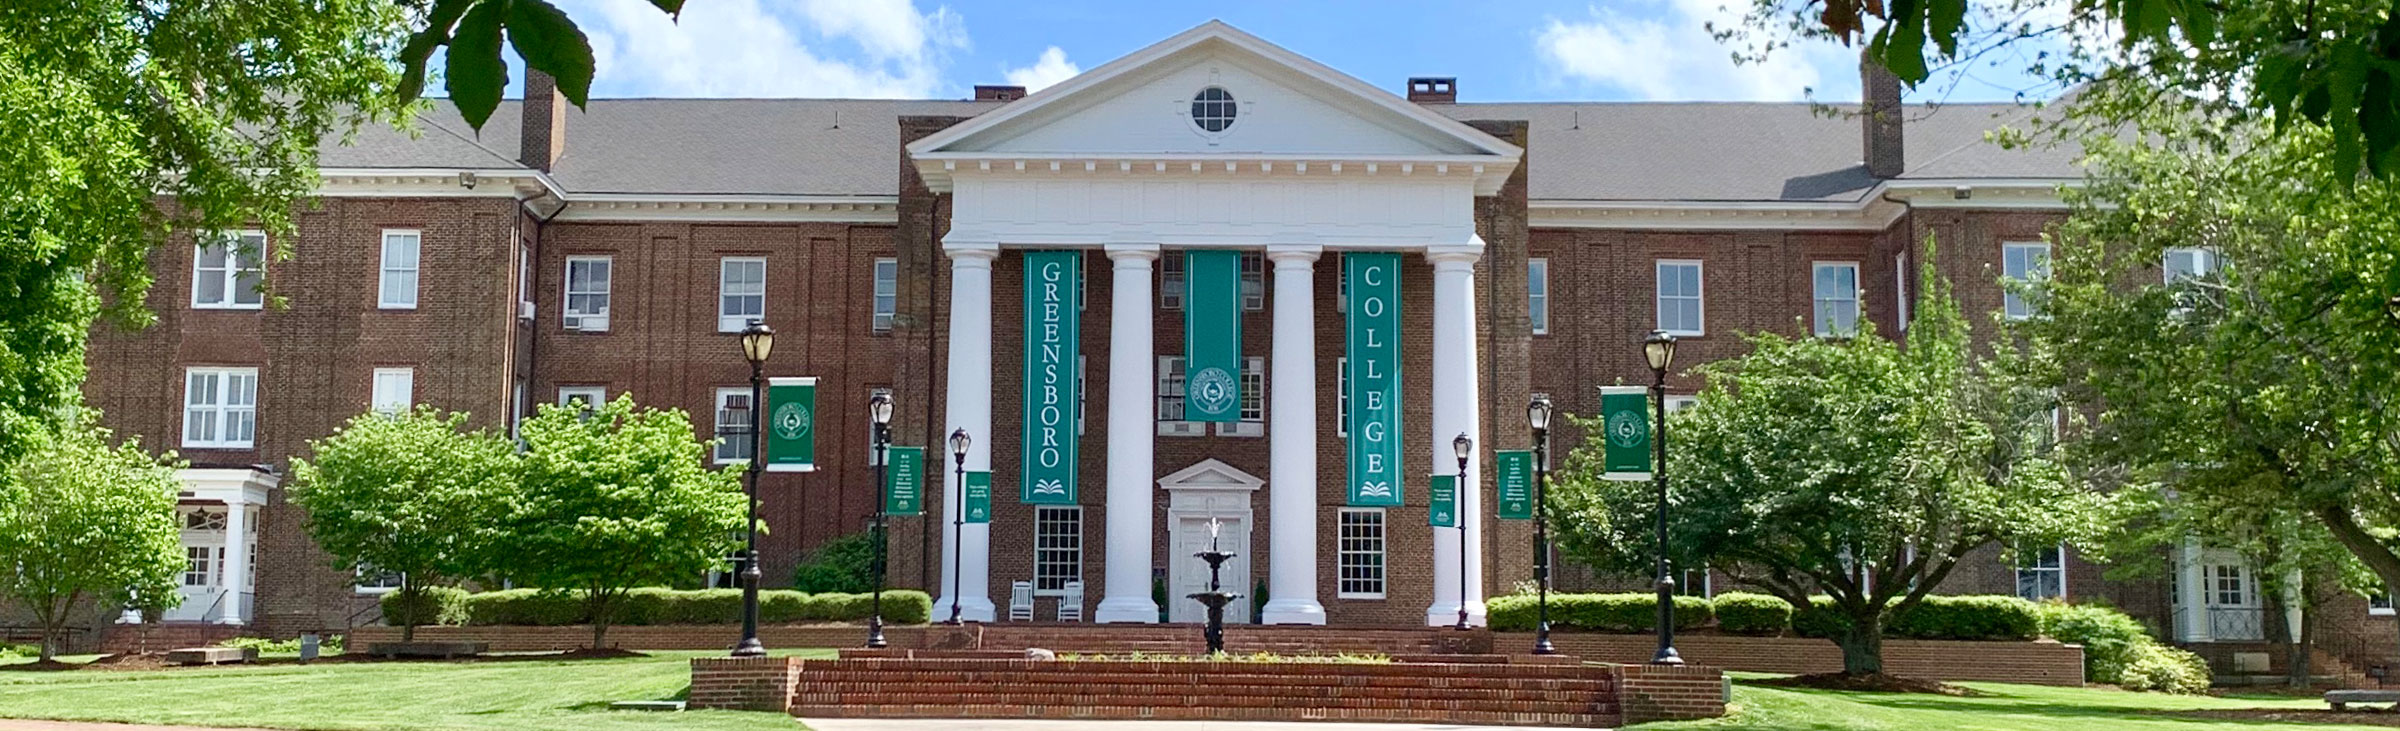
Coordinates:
1743	613
658	606
2111	641
1936	617
1594	612
434	605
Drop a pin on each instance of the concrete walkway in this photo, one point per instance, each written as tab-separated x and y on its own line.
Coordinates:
913	724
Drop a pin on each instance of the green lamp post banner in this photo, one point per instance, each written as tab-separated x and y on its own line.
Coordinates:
1515	477
979	497
1212	336
1053	325
792	424
1625	413
904	481
1372	345
1442	512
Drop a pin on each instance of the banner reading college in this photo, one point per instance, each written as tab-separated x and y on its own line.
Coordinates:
1373	348
1052	325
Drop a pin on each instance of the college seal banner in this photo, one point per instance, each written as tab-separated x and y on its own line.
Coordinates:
1625	417
1515	478
1372	347
1212	336
904	481
792	424
1442	509
1052	340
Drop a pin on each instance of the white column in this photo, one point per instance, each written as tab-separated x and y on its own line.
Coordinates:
1455	411
2191	595
1131	472
236	564
966	558
1292	442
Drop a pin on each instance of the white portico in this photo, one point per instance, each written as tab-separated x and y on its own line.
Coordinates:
1215	139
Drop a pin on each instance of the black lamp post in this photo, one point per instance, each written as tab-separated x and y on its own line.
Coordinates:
1659	348
879	408
1463	447
959	441
758	340
1537	414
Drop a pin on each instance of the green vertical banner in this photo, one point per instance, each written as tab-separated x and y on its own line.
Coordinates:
1372	345
979	497
792	424
1625	414
1515	478
1052	340
1442	509
904	481
1212	336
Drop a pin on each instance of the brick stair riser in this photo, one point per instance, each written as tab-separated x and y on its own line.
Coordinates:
1561	694
1170	701
1203	713
817	678
1024	668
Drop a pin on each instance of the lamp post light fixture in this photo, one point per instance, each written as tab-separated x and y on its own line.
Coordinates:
879	409
1659	349
758	341
1537	414
959	441
1463	447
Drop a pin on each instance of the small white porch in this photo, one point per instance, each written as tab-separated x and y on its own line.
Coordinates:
218	511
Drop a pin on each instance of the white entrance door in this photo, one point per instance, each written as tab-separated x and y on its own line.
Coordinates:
202	582
2234	611
1190	575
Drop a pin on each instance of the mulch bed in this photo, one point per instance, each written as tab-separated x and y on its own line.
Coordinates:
1871	682
611	653
2377	717
40	666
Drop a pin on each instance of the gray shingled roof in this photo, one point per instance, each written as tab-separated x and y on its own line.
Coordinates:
1579	151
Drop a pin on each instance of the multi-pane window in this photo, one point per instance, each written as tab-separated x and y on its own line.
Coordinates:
887	293
1836	298
220	407
734	441
1679	302
585	397
1254	389
1537	294
1360	560
2227	586
2022	262
200	565
1057	547
1171	281
587	293
1341	397
1900	285
2042	573
741	292
227	271
1170	388
1254	281
395	390
525	279
377	581
2186	262
397	283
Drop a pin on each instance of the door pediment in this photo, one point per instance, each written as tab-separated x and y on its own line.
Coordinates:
1210	474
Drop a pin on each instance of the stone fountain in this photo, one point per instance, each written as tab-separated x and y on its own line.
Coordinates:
1216	597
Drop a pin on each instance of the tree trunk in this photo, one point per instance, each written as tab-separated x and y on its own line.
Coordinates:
408	608
2303	660
598	605
1862	645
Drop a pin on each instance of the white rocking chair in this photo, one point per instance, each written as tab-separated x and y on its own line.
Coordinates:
1070	604
1020	601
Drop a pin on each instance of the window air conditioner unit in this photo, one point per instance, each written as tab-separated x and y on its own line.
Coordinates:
587	323
524	310
1182	428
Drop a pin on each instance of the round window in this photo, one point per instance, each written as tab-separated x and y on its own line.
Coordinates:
1213	109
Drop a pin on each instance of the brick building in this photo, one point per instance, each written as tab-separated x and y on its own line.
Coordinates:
568	254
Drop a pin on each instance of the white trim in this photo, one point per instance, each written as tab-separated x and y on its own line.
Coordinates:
1037	548
1858	291
1658	295
230	276
733	323
1900	281
1875	209
384	270
380	400
592	395
880	319
716	422
221	408
2009	299
1541	326
585	321
755	208
1383	539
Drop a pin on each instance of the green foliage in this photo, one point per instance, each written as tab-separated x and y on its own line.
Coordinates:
1593	612
429	605
414	493
533	607
1822	619
2164	669
326	645
475	71
1744	613
658	606
2111	640
845	564
86	523
1967	618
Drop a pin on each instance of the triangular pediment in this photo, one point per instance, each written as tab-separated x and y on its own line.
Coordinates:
1212	475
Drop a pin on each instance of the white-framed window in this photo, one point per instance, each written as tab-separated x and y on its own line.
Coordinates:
587	293
1253	416
1679	402
2188	262
396	285
395	390
376	581
2022	261
1057	548
2229	586
2380	605
1680	307
220	407
1900	285
228	269
1359	564
200	564
518	407
589	397
2042	573
1172	284
1254	281
1836	297
1083	383
872	392
1341	397
887	293
525	278
1171	422
1537	294
734	440
1341	286
741	292
1695	582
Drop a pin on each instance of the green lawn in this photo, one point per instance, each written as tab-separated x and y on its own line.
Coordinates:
2003	707
517	694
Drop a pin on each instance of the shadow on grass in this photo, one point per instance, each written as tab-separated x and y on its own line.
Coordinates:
2052	709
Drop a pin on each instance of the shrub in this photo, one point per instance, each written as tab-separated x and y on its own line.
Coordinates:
1819	620
907	606
1744	613
1593	612
534	607
433	605
660	606
2111	640
2156	667
1966	618
845	564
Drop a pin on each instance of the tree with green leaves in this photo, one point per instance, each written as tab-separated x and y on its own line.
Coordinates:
614	498
414	493
1853	468
88	525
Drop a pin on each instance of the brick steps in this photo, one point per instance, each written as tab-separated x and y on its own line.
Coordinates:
1240	640
1212	713
1495	704
837	679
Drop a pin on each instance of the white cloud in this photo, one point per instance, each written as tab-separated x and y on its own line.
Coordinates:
1667	53
1051	68
742	48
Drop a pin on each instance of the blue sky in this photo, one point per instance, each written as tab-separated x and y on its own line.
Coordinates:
1511	50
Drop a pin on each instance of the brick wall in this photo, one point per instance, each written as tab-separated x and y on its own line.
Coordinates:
1648	693
2037	663
743	683
647	637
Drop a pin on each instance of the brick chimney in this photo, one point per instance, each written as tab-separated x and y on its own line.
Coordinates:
1433	89
542	126
1879	119
998	93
